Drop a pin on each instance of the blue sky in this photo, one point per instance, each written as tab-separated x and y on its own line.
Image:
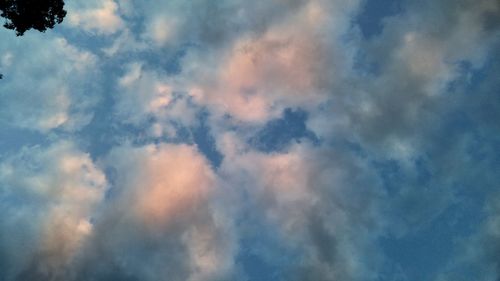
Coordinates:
288	140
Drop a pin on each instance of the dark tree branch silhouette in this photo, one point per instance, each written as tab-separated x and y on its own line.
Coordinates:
23	15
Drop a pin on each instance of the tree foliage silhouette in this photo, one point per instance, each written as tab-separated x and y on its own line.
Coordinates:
23	15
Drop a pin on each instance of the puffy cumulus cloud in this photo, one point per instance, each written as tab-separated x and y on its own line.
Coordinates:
48	197
146	95
291	63
407	113
143	93
211	24
391	157
391	115
100	17
173	179
124	42
324	204
253	59
48	86
418	55
256	75
160	221
415	117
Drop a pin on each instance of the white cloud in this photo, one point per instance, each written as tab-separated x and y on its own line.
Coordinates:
145	94
259	75
324	204
170	182
101	17
51	194
161	30
47	87
165	193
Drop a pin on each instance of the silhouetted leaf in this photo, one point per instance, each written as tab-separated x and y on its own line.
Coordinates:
23	15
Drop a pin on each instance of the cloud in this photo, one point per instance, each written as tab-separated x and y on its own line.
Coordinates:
101	17
252	65
48	198
173	179
160	219
161	30
211	24
324	205
260	74
56	93
149	99
405	126
417	56
143	94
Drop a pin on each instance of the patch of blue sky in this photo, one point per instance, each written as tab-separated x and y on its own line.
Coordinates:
12	139
364	66
84	40
169	61
205	141
428	247
103	132
100	134
279	133
422	253
262	258
262	255
370	21
389	171
373	12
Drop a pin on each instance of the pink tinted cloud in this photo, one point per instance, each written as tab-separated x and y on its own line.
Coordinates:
260	74
163	182
167	193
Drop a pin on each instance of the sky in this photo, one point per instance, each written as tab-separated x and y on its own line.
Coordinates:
286	140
